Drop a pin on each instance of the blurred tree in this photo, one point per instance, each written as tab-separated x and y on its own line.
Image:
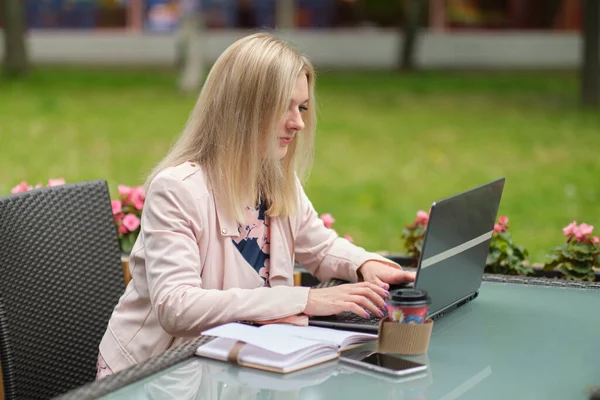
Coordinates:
246	14
412	11
590	66
285	14
380	13
191	31
15	51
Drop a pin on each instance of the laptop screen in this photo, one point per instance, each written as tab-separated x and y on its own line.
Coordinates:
456	245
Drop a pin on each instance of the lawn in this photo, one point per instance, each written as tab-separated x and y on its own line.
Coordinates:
387	144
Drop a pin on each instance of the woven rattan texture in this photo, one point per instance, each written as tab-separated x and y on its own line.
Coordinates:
60	278
137	372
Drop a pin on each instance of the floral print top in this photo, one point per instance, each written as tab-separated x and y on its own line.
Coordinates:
253	240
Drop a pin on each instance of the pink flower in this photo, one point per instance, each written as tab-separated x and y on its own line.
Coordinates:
21	187
119	217
124	190
56	182
503	220
570	229
596	239
39	186
137	197
585	229
582	231
349	238
123	230
499	228
328	220
131	222
422	217
117	206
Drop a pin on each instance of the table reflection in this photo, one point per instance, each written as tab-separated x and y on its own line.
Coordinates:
205	379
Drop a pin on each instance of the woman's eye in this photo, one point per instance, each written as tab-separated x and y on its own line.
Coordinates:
303	108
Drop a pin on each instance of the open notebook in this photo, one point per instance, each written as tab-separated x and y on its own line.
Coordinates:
278	347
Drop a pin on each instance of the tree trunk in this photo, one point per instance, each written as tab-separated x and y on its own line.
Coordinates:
412	10
192	71
285	14
590	66
15	53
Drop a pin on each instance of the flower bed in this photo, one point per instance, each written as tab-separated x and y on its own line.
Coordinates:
577	259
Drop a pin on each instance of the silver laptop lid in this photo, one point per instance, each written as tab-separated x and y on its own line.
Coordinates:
456	245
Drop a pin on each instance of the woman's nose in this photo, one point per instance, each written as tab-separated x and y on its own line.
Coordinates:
296	122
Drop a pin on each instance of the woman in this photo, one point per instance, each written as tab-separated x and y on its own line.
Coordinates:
226	218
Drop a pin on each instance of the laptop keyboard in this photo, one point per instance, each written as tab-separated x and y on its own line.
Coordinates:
350	318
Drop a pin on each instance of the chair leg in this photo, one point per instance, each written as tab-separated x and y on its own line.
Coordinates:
126	274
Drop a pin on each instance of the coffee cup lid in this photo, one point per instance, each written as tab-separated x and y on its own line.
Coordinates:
410	296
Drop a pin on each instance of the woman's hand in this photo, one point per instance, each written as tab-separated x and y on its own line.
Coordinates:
363	299
383	275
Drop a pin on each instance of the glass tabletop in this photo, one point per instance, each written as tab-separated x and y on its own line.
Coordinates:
513	342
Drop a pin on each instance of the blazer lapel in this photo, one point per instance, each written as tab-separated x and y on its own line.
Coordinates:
281	252
227	225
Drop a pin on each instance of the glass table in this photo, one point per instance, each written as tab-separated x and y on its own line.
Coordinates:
515	341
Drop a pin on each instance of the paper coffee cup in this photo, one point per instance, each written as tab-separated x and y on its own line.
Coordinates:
408	306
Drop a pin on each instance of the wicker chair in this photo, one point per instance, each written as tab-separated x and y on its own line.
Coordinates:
60	278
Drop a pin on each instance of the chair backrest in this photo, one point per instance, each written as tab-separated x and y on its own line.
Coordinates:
60	278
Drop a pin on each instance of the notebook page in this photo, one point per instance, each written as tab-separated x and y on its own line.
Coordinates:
274	342
217	348
220	347
324	335
253	355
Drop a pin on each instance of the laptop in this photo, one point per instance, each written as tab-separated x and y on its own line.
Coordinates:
453	256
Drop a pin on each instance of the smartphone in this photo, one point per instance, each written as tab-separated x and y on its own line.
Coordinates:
384	363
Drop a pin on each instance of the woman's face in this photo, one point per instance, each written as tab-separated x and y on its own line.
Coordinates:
292	122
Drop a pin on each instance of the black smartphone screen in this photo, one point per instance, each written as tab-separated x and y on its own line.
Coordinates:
389	362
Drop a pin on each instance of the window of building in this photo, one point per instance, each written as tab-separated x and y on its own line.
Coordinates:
513	14
76	14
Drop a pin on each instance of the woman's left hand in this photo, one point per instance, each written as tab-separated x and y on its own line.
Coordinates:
383	275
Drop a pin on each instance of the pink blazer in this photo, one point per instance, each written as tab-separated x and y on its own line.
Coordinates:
187	275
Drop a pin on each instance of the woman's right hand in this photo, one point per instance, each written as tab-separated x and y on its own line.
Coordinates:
363	299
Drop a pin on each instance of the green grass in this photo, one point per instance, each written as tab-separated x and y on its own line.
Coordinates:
387	144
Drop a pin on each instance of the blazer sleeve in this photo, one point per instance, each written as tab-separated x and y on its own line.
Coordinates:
171	223
322	252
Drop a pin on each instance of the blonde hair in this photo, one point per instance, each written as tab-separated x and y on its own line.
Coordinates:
235	119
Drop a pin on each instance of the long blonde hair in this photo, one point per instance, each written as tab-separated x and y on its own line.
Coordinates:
234	122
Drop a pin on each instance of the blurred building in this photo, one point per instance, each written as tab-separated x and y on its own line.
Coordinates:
455	32
162	15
